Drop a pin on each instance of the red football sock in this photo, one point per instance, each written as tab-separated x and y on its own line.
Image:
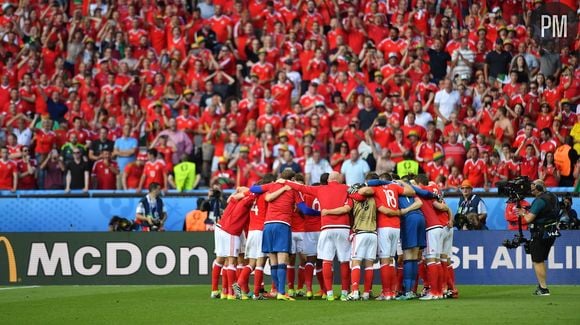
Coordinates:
450	277
385	277
369	275
225	281
327	274
258	278
308	275
433	276
290	275
215	276
301	277
239	269
345	275
399	282
320	278
244	278
392	279
231	275
355	277
443	276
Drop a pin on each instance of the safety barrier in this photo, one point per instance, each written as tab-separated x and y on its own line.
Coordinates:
37	211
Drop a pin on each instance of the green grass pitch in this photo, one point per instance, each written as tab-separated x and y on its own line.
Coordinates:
191	305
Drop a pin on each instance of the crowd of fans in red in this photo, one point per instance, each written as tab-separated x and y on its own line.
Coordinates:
246	87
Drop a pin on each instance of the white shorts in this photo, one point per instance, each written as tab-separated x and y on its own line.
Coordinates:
243	242
254	245
364	247
297	243
388	238
310	243
434	241
447	241
226	245
399	248
334	242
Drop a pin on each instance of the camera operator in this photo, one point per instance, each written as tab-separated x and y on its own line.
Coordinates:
568	216
472	212
543	220
151	212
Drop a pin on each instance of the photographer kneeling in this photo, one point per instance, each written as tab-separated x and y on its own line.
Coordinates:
151	213
543	220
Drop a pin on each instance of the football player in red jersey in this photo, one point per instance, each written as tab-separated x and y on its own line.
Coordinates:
227	242
253	250
388	231
277	235
335	229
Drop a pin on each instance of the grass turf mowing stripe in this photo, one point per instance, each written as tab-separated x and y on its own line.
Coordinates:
191	305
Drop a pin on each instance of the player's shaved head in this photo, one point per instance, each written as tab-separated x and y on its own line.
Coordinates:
335	177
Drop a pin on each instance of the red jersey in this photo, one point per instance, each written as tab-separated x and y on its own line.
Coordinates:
133	172
281	209
45	140
388	196
529	167
27	182
154	172
474	172
511	215
330	196
236	215
106	179
258	213
311	224
7	170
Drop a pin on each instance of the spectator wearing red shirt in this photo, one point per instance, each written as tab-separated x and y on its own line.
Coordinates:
223	177
105	172
398	146
548	143
530	162
353	136
221	25
425	151
153	172
27	171
436	167
8	172
548	172
474	169
133	171
527	137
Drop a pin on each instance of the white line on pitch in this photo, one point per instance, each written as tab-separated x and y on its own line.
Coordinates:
26	287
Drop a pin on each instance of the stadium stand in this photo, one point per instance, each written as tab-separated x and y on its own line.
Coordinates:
234	85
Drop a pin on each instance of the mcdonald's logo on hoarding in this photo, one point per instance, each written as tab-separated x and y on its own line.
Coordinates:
12	273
